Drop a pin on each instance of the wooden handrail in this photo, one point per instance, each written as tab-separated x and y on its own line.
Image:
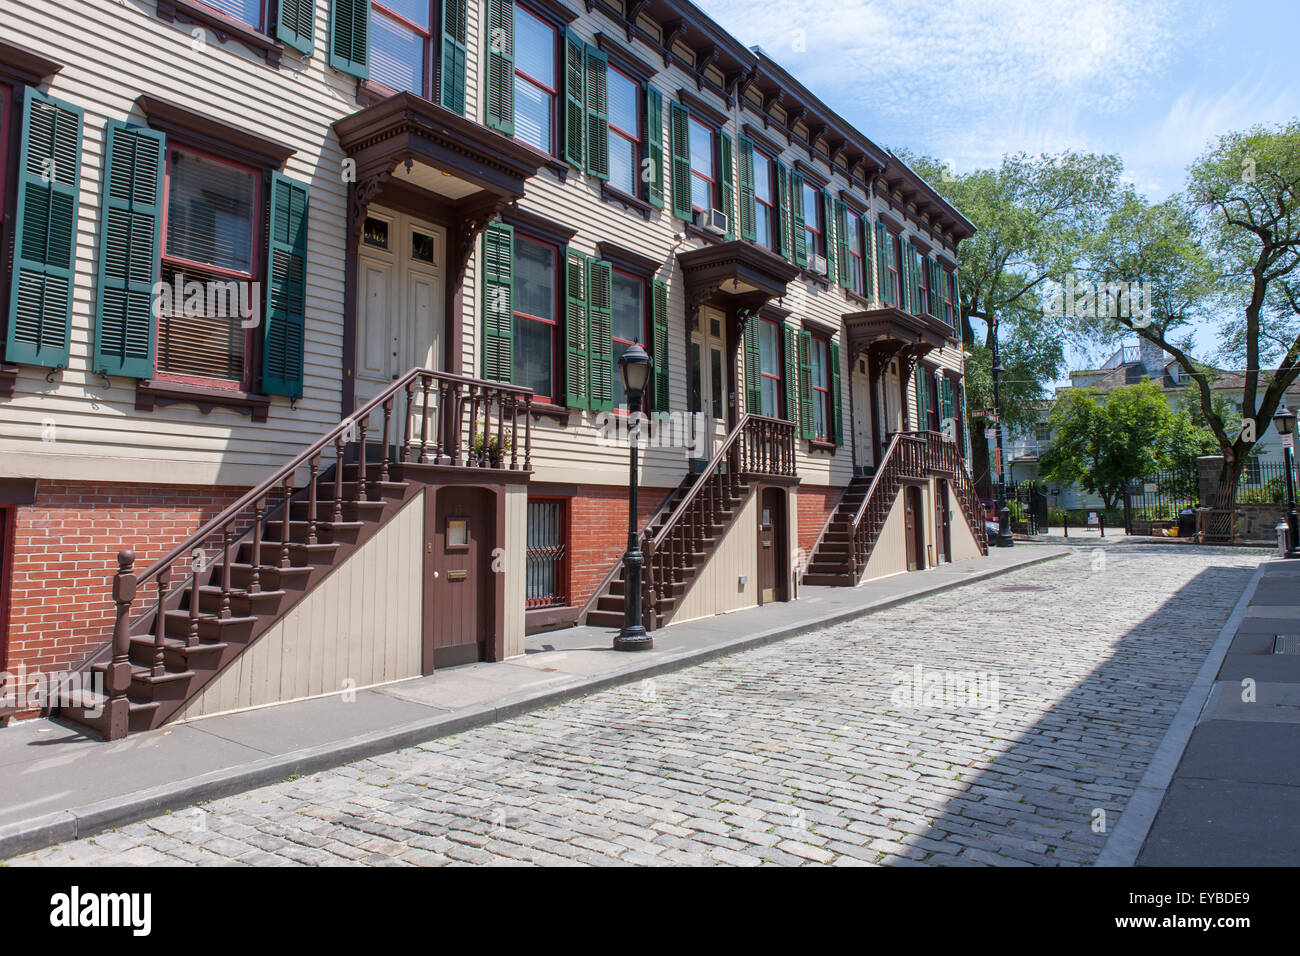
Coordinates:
341	429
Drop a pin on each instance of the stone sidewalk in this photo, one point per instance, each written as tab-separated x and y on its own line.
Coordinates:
1234	799
60	785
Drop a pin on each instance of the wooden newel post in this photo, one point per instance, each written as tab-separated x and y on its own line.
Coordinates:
117	677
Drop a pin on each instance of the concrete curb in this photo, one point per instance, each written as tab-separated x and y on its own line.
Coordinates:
84	821
1130	834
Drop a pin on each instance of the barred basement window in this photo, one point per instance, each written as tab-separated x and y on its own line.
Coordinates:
547	555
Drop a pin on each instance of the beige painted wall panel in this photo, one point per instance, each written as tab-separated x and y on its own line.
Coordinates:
514	567
964	545
890	554
716	589
309	652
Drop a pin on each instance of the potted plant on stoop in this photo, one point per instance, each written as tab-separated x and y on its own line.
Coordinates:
491	447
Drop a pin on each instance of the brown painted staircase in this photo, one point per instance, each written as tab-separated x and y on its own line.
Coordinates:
678	540
218	591
850	537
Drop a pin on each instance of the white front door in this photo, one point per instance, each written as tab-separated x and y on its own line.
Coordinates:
863	409
400	315
710	379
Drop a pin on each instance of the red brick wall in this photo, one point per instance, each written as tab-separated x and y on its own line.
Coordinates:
815	504
65	555
598	533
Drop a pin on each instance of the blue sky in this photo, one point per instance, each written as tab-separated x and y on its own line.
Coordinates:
967	81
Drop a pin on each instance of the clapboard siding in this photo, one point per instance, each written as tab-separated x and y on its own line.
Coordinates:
345	635
890	553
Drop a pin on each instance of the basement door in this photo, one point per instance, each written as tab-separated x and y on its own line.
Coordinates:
942	522
914	520
460	531
400	305
773	570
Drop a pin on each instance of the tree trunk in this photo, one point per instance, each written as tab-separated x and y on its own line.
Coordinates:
981	462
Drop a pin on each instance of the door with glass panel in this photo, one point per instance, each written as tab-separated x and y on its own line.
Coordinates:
400	313
710	379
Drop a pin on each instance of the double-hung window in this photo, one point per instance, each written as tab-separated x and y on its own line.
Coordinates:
894	248
401	44
537	307
704	175
821	388
629	323
212	224
250	12
625	99
536	51
765	214
812	219
949	302
770	366
856	261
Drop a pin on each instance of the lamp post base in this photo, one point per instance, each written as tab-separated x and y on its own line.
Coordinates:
633	639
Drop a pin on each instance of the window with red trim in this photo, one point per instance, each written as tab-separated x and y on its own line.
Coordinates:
628	323
923	284
812	220
536	83
895	255
932	401
821	388
250	12
853	224
625	100
765	214
704	165
770	367
537	310
949	293
211	262
546	556
402	45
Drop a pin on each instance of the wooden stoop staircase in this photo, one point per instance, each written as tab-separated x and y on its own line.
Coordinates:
224	586
679	538
849	538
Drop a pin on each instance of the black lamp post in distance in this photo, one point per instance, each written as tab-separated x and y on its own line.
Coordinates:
634	369
1004	539
1284	422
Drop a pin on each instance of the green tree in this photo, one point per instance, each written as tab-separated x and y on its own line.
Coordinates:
1227	250
1037	217
1100	442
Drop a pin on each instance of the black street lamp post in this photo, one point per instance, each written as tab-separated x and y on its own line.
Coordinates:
634	367
1004	539
1284	422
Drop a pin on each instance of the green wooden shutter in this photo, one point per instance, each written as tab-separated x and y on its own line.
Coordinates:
936	290
455	54
785	245
805	384
914	259
498	302
654	126
286	288
349	48
748	215
600	331
753	368
596	90
918	385
45	232
728	183
947	411
659	347
130	217
963	424
842	226
830	237
500	106
792	374
798	237
577	354
870	285
885	288
296	24
679	123
837	407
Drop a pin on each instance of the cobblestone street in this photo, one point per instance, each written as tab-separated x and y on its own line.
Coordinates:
1005	722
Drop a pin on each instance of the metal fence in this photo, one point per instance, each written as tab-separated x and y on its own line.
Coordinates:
1158	499
1027	502
1262	483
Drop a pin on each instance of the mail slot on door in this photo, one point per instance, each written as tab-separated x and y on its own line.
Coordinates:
457	575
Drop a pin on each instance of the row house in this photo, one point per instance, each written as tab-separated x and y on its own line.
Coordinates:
312	312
